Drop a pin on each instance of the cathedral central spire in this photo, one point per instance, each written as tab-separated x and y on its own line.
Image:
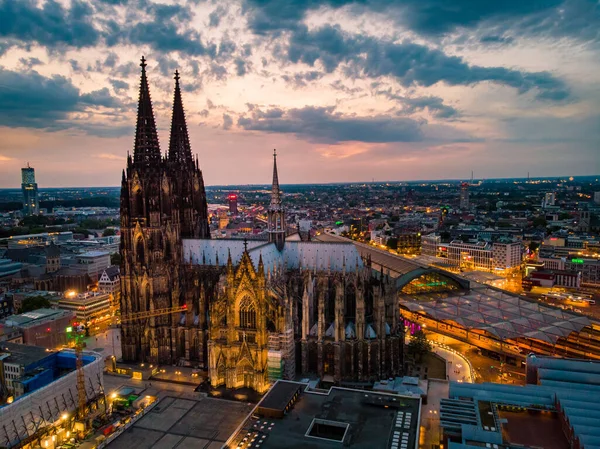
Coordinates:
276	215
147	150
180	151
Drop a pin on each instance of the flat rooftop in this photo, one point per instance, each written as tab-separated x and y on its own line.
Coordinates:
541	429
31	318
352	418
22	354
184	422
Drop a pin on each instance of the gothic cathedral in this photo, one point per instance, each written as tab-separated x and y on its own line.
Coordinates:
248	313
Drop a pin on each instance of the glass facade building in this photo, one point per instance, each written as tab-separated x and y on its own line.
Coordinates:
31	205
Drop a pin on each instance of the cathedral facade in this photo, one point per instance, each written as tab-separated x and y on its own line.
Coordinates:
246	312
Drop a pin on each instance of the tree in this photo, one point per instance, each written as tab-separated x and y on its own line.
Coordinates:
33	303
540	222
533	246
108	232
115	259
445	236
392	243
419	346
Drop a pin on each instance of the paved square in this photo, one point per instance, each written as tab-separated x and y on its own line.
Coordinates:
202	423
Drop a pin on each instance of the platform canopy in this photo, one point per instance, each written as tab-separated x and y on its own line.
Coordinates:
501	314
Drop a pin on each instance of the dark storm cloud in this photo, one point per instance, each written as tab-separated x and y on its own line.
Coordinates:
423	16
34	101
579	19
167	37
435	105
495	39
81	25
327	126
411	64
50	24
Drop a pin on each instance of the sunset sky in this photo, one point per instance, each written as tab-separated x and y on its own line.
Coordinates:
345	90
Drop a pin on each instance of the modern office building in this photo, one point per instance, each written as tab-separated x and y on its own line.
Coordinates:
557	409
486	256
507	255
44	238
24	368
87	307
233	203
589	268
549	199
42	327
93	263
464	196
31	205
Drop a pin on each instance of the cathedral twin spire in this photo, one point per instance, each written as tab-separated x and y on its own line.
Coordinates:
147	149
180	151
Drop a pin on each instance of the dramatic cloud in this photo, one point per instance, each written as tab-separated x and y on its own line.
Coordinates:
49	24
379	86
326	125
579	19
410	105
411	64
32	100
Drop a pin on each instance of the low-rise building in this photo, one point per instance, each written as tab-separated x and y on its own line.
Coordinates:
20	364
556	409
294	415
552	278
93	263
88	307
42	327
51	400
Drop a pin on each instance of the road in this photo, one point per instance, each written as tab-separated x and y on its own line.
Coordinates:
458	367
487	369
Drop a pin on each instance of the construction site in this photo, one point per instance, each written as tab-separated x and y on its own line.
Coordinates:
56	398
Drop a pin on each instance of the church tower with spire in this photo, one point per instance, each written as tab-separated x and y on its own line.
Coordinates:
276	214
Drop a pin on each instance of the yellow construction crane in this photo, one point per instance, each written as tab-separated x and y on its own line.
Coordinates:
152	313
78	337
143	318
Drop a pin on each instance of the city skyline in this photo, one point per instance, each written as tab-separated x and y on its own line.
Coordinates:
400	92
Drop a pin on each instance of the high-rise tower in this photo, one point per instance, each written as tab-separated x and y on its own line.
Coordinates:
464	196
276	214
31	205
